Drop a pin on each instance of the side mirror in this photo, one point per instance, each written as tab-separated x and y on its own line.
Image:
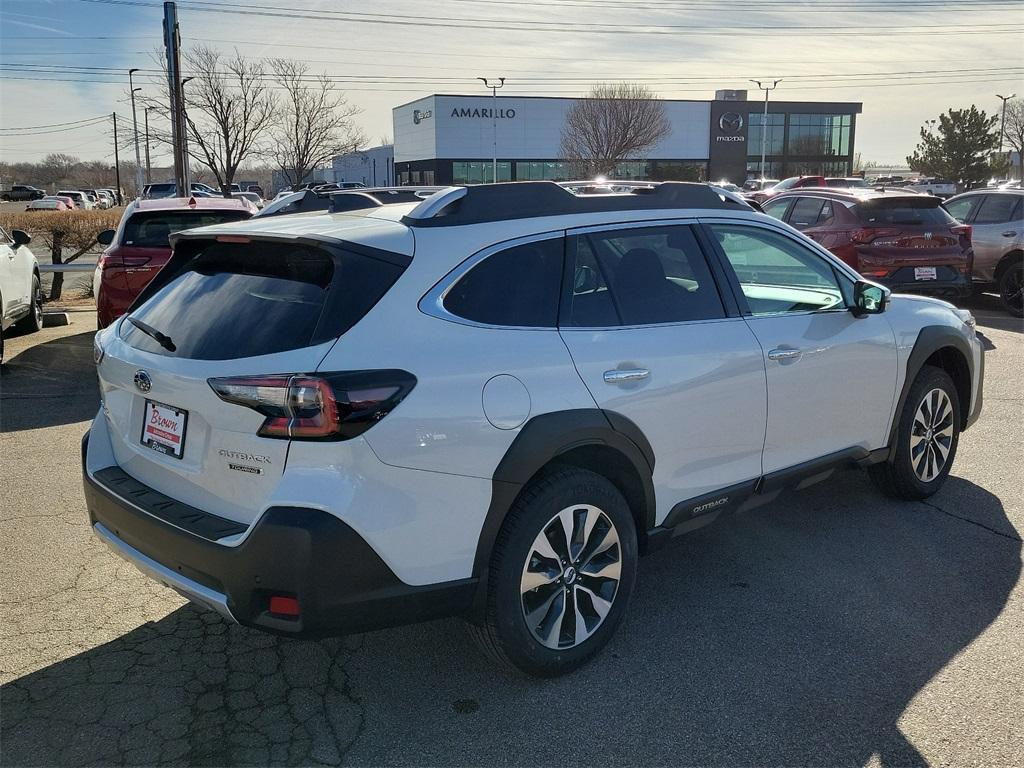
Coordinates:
106	237
20	237
869	298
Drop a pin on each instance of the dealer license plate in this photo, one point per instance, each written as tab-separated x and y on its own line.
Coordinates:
163	428
925	273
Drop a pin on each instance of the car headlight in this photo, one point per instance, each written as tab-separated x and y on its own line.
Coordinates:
966	318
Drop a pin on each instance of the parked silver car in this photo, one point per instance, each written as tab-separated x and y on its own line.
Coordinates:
997	218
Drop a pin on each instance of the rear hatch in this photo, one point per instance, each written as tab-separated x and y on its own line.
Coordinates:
902	238
225	310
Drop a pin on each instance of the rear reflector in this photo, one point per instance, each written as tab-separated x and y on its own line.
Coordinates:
284	606
233	239
331	406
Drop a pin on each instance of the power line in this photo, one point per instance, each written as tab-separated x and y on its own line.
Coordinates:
55	125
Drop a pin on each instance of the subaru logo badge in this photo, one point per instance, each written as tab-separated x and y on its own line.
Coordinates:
730	122
142	381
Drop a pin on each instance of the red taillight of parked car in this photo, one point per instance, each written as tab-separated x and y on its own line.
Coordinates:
868	234
331	406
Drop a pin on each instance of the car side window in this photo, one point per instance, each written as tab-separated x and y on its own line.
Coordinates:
518	286
996	209
776	208
640	276
777	274
961	209
805	212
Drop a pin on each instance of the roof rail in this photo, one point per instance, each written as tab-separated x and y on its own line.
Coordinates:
456	206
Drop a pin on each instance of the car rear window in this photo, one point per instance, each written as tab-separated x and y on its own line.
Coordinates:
151	229
236	300
910	211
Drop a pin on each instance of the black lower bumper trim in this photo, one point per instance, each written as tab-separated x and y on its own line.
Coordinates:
341	584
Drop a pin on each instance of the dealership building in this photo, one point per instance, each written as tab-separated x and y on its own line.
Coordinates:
450	139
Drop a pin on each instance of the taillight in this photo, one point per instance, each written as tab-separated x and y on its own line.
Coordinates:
962	230
329	406
866	235
875	273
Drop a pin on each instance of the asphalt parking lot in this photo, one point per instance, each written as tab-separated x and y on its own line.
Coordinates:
831	627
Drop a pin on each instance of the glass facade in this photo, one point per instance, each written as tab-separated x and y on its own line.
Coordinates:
774	130
773	169
819	135
479	171
543	171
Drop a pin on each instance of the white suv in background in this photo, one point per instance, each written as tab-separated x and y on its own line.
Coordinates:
21	297
491	402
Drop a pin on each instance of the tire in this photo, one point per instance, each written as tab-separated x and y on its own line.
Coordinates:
33	321
928	425
552	641
1011	288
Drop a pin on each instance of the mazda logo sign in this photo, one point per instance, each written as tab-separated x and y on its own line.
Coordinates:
730	122
142	381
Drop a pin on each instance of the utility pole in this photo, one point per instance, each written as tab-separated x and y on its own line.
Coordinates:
172	42
135	128
1002	121
149	172
184	137
117	162
764	125
494	122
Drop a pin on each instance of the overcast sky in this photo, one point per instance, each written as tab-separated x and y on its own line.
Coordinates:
906	61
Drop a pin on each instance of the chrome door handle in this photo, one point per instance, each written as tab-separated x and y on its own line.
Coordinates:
621	376
784	354
1009	234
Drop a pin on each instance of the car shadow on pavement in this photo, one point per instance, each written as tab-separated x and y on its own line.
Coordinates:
988	310
50	384
795	634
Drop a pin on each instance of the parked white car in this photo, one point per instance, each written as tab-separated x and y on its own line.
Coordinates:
491	402
82	200
936	187
21	297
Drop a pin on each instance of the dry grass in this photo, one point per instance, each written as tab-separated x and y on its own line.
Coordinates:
72	230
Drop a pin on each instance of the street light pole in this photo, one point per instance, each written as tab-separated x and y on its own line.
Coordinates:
135	126
764	124
149	171
1002	122
494	122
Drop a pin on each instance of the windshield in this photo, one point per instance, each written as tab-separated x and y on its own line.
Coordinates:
786	183
151	229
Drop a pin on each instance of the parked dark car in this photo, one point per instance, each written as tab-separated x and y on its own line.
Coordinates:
22	192
905	241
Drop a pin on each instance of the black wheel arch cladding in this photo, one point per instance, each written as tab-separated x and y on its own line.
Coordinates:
561	438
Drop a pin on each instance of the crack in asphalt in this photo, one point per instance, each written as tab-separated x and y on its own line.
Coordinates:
1002	534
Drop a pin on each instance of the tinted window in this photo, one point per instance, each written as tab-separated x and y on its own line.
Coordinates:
153	228
776	208
911	211
961	208
232	300
996	209
640	277
805	212
518	286
777	274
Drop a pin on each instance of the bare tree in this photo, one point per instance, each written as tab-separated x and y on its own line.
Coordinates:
1014	130
615	122
229	110
313	121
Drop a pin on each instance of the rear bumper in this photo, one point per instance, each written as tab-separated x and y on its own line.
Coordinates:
341	584
955	287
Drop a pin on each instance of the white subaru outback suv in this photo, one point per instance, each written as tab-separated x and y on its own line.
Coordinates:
489	403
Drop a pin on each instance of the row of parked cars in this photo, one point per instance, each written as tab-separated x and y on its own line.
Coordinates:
253	193
70	199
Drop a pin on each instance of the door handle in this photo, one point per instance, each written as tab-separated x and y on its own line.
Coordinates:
622	376
784	354
1009	234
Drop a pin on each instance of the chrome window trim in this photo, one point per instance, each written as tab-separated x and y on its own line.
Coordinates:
432	302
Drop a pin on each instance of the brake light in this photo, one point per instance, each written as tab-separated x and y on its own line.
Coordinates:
866	235
331	406
962	230
875	273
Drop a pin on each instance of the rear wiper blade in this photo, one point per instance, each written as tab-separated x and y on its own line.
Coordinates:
160	338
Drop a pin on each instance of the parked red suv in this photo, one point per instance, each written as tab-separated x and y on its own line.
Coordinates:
903	240
139	247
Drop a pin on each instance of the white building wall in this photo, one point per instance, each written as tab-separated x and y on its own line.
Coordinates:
461	127
373	167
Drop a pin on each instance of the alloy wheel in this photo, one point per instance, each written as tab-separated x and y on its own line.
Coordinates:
1013	288
37	303
571	577
931	435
